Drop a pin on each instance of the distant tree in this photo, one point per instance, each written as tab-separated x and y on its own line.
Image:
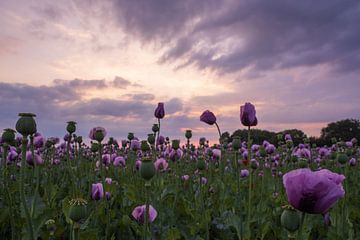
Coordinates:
257	135
226	135
343	130
296	135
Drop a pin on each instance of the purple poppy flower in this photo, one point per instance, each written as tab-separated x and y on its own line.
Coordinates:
349	144
160	164
107	195
97	191
244	173
185	178
139	213
106	159
288	137
204	180
270	148
248	115
30	160
108	180
313	192
12	155
216	153
160	140
119	161
159	111
39	141
135	144
323	152
352	162
208	117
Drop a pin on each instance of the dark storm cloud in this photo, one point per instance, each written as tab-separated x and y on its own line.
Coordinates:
261	35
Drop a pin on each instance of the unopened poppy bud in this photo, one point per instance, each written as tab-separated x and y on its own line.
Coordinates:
290	220
159	111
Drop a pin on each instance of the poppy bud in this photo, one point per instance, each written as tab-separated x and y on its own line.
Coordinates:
26	124
290	220
159	111
248	115
147	169
71	127
208	117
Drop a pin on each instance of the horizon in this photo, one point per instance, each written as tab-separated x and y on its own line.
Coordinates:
109	63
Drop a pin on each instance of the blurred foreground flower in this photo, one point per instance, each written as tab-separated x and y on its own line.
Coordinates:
313	192
139	212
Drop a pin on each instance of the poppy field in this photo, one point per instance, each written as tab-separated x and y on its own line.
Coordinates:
98	187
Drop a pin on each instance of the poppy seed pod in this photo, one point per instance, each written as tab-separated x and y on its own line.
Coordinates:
159	111
236	143
130	136
175	144
290	220
77	210
8	135
94	147
26	124
188	134
155	128
71	127
201	165
97	133
145	146
147	169
342	158
151	138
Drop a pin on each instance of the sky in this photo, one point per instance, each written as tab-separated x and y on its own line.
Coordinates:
108	63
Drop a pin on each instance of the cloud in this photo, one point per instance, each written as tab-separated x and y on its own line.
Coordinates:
123	83
237	35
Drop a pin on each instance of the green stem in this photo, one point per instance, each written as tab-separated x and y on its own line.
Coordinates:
299	235
146	220
250	178
217	126
22	193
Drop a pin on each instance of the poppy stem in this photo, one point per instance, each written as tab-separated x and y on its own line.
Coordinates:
299	235
250	179
217	126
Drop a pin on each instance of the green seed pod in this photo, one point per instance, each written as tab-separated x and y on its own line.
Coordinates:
294	158
8	135
303	163
175	144
342	158
78	211
99	135
145	146
26	124
71	127
151	138
155	128
262	151
130	136
236	143
111	140
290	220
188	134
79	139
147	169
349	152
201	165
94	147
